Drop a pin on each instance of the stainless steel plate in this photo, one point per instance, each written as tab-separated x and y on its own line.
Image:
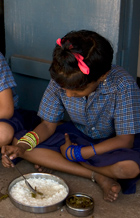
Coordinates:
32	209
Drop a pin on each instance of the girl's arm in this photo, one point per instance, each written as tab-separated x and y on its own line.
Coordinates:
120	141
6	104
44	130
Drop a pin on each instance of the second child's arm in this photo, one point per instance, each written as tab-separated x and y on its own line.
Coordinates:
6	104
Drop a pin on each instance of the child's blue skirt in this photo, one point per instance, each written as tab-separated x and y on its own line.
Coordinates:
23	120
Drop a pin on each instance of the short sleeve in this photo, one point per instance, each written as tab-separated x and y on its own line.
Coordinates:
51	107
127	110
6	77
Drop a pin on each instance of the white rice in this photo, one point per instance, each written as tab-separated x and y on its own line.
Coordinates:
53	192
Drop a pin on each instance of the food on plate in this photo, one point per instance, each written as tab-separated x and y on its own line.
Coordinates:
53	192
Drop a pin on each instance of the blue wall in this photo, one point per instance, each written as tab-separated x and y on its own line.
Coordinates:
32	27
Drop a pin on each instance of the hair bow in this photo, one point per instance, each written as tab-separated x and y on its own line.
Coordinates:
81	64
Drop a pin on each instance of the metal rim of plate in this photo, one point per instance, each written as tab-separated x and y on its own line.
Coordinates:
36	209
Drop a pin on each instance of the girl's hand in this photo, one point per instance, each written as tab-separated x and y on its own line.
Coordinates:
12	152
64	147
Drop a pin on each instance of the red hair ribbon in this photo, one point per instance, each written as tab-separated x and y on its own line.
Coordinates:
81	64
58	41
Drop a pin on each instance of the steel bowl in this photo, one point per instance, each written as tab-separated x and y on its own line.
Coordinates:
38	209
80	210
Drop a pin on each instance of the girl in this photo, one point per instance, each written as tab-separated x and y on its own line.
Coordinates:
102	100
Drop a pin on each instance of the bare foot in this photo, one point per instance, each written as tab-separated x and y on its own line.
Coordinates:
110	187
43	169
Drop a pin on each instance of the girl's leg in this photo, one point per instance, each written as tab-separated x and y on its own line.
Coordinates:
54	160
104	176
127	169
6	133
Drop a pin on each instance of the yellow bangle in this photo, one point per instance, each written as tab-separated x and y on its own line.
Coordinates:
27	143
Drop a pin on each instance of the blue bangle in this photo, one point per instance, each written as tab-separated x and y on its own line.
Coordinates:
77	153
93	148
66	153
72	147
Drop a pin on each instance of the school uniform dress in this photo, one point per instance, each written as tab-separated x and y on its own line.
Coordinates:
7	79
113	109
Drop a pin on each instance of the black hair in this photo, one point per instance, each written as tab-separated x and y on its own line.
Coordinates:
96	50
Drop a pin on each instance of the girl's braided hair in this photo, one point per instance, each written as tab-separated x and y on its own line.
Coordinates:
97	53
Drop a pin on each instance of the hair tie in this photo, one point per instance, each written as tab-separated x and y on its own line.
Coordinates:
58	41
81	64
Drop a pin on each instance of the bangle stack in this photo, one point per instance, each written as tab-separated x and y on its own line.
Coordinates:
30	138
77	153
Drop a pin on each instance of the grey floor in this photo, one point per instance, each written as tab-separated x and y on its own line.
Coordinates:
127	206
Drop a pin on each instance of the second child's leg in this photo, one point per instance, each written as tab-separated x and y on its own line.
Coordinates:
6	134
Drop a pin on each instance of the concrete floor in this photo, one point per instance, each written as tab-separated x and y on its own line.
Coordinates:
127	206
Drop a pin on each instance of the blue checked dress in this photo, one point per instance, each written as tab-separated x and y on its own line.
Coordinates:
113	109
7	79
21	119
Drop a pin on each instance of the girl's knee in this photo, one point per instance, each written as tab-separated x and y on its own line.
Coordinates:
127	169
